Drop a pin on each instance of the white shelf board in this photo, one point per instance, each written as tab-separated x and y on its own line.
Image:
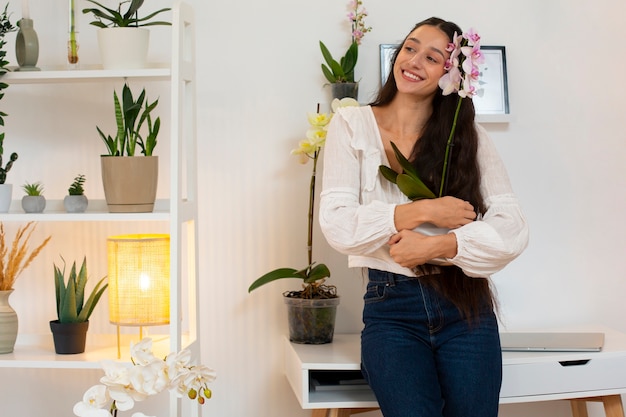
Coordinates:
96	211
37	351
86	73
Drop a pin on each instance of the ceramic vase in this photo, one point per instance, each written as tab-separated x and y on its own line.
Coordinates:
8	323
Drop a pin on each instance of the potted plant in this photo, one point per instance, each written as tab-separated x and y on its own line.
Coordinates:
340	74
5	189
122	38
69	331
14	259
311	311
34	200
130	182
76	201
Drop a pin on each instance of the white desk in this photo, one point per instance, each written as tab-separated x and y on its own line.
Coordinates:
527	376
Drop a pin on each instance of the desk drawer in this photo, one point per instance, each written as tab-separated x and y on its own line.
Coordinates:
546	378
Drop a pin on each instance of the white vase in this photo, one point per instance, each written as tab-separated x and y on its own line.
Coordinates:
6	191
8	323
123	48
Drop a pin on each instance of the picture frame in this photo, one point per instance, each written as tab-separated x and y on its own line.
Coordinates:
494	98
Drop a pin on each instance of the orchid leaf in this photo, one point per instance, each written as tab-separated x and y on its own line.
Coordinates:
279	273
388	173
318	272
407	167
413	188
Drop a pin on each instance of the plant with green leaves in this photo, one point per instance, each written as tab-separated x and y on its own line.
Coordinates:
130	116
5	27
408	181
33	188
107	17
342	71
71	304
76	188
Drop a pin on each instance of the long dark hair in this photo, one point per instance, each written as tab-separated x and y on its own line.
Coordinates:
470	295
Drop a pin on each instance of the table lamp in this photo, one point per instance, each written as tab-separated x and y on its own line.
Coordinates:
139	281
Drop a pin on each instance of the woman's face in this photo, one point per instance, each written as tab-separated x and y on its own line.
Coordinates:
421	60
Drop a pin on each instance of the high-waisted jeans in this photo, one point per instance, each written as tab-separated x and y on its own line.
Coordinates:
422	358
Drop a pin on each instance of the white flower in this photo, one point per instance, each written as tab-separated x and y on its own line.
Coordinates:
149	379
142	352
94	399
177	363
196	378
344	102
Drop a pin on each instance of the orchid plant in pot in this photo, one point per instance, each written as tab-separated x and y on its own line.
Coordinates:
311	310
340	74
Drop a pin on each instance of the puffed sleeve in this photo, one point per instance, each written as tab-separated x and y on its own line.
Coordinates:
487	245
350	171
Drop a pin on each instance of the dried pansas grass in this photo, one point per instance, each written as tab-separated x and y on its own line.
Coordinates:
18	258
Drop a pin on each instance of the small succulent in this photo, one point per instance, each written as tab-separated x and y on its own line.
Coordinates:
77	186
33	189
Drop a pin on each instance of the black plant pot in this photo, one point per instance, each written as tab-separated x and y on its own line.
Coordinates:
69	338
311	321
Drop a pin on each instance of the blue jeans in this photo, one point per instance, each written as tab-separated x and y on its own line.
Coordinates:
422	358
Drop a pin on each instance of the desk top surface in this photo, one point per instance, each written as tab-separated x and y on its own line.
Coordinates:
344	351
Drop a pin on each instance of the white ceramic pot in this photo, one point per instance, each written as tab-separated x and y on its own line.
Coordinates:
6	191
123	48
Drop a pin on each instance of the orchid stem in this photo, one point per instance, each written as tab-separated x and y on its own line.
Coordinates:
311	207
448	155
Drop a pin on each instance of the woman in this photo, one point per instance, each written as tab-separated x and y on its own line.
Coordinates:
430	344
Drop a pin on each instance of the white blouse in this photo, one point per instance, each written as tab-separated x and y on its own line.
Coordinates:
357	204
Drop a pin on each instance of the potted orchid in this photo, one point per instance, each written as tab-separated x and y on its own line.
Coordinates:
311	310
340	74
461	77
122	386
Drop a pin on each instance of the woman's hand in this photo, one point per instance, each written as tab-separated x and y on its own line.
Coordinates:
447	212
451	212
409	248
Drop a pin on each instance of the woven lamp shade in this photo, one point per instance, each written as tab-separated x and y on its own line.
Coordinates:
139	279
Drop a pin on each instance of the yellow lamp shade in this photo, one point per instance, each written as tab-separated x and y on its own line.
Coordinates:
139	279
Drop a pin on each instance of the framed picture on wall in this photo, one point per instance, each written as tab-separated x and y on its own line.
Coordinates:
494	98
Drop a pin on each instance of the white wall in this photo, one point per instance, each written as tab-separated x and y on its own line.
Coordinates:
258	67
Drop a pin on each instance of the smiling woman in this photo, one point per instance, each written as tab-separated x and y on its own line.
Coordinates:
414	359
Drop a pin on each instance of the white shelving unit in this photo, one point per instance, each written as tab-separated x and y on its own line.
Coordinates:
180	210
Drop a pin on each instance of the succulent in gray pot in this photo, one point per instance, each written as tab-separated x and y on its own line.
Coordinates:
122	38
76	201
69	331
34	200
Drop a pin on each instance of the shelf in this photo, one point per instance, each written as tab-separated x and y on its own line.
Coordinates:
157	72
37	351
97	211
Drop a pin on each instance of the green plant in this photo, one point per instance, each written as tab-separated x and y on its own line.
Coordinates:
71	304
33	189
313	275
77	186
5	27
130	117
342	71
106	17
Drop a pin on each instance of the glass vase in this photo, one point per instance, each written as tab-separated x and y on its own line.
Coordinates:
72	43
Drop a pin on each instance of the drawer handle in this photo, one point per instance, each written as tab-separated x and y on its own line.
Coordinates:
574	363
